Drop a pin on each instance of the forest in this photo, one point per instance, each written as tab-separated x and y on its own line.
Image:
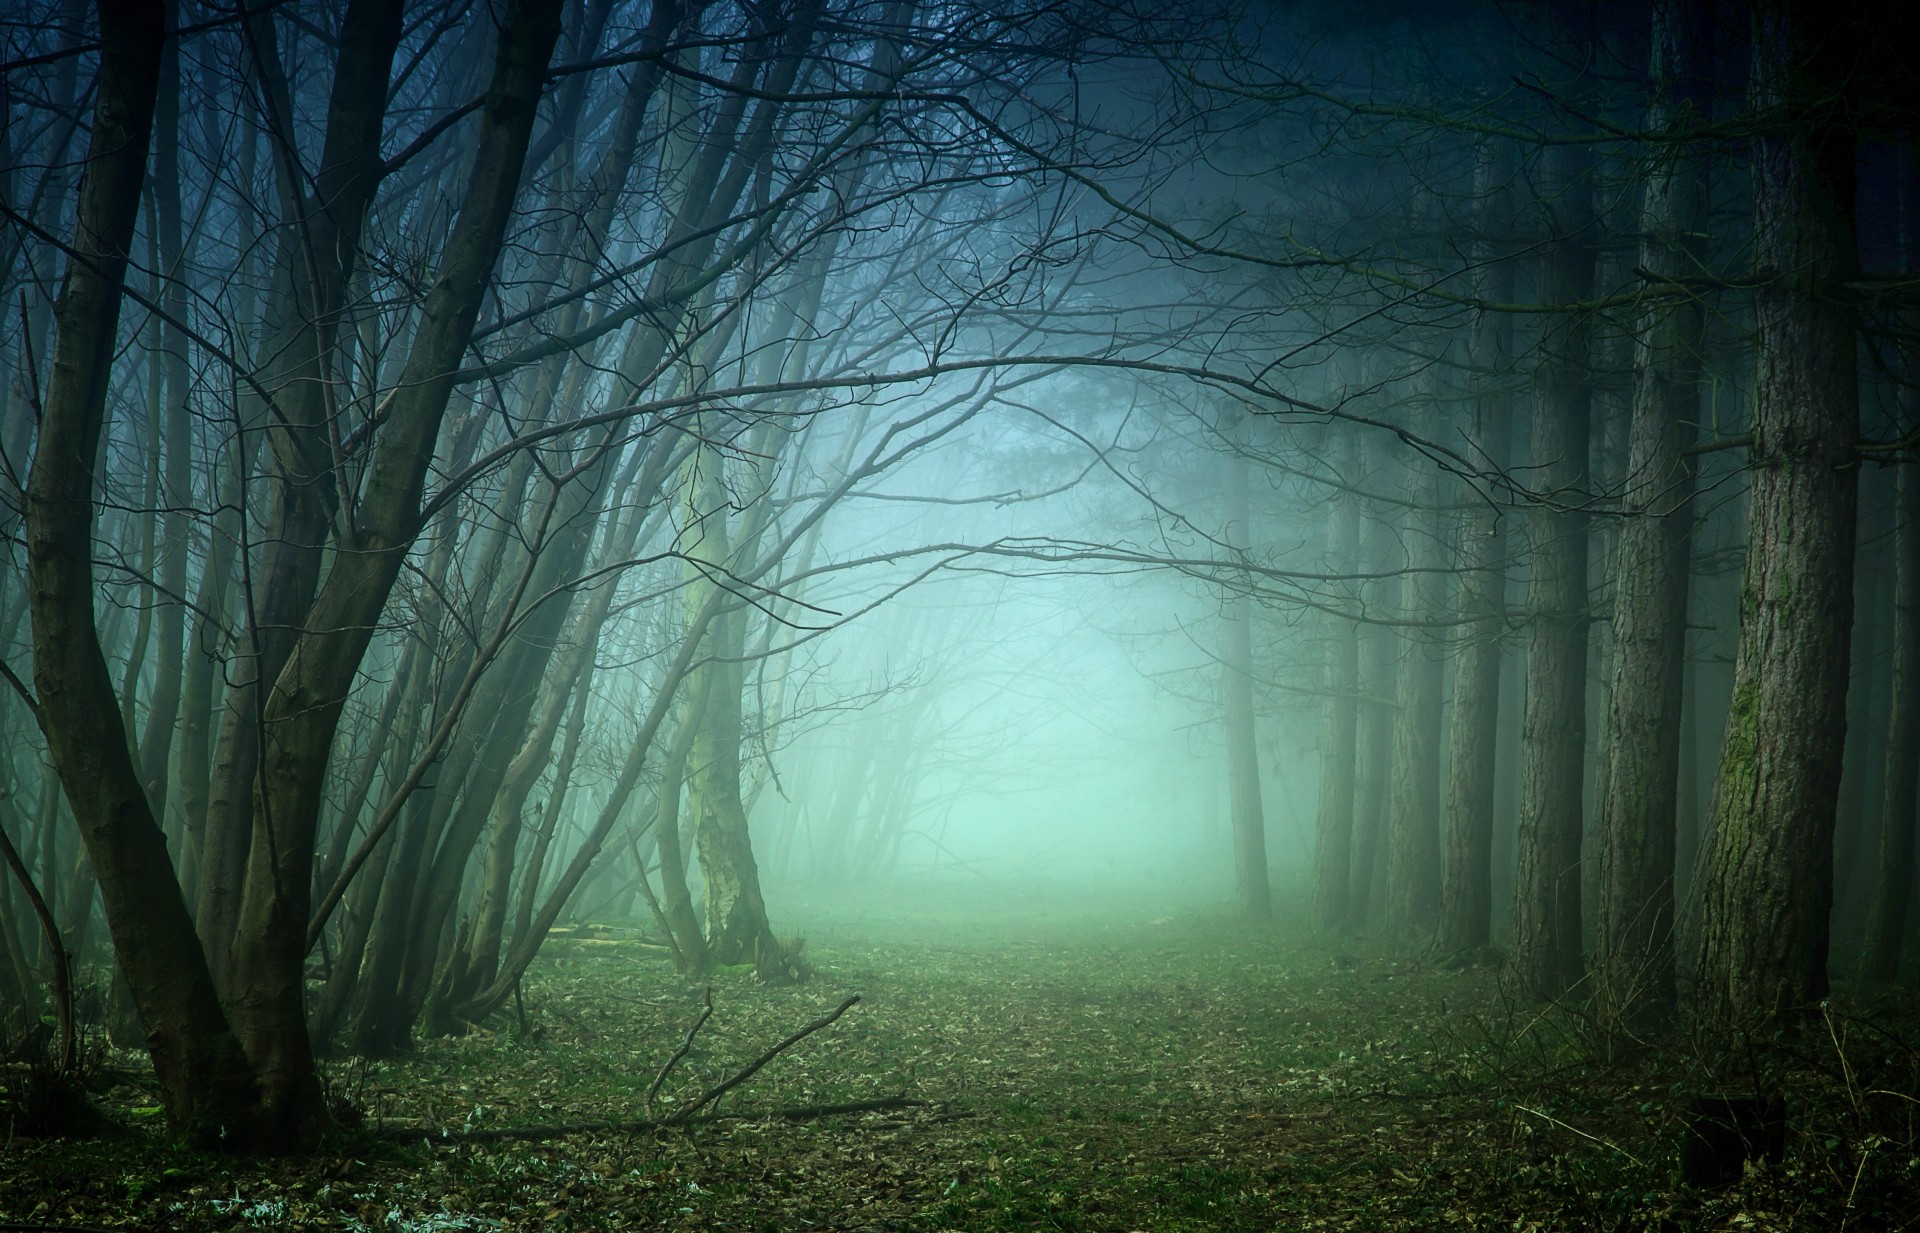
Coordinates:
943	615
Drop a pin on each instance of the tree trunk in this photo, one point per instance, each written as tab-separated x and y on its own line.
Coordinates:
1413	798
203	1076
1236	686
1768	882
1466	883
1893	882
156	745
1546	910
1379	685
1333	847
302	710
676	906
1639	778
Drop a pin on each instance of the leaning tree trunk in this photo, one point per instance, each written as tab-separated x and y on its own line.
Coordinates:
303	708
1639	778
1767	887
205	1082
1546	909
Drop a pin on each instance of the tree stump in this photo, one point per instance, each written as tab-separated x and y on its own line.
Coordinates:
1724	1132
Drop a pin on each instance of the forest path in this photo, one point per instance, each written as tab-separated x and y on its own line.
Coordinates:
1091	1060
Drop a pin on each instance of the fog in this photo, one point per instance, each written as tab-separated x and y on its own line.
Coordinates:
1437	479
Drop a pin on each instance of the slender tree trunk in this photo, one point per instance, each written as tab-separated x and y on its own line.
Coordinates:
1236	686
1767	888
689	939
156	744
302	710
1546	910
1466	884
1639	779
1379	686
1413	798
1333	849
1893	881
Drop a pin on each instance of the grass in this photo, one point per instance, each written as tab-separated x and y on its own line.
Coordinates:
1087	1063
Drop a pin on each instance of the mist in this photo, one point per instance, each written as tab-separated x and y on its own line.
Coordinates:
608	602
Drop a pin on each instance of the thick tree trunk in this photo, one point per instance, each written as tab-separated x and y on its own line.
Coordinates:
1546	910
1236	687
1639	779
203	1076
1767	887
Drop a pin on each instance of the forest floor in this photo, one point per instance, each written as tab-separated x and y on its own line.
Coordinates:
1082	1063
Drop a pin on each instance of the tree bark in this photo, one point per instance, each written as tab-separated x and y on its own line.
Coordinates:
1413	798
1639	778
1767	886
1546	910
1893	881
202	1073
1466	883
302	711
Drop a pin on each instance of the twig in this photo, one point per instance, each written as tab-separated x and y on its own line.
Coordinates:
1846	1068
1847	1212
714	1094
1583	1134
679	1053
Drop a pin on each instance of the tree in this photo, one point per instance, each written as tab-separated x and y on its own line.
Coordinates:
1767	884
1639	777
204	1078
1236	687
1546	908
1466	898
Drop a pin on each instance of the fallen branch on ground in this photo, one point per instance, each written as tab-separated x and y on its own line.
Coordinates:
713	1094
679	1053
689	1116
497	1134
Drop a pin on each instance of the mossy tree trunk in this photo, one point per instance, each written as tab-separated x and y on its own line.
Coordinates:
1767	885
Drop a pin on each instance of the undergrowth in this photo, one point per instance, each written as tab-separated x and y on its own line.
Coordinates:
1081	1065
